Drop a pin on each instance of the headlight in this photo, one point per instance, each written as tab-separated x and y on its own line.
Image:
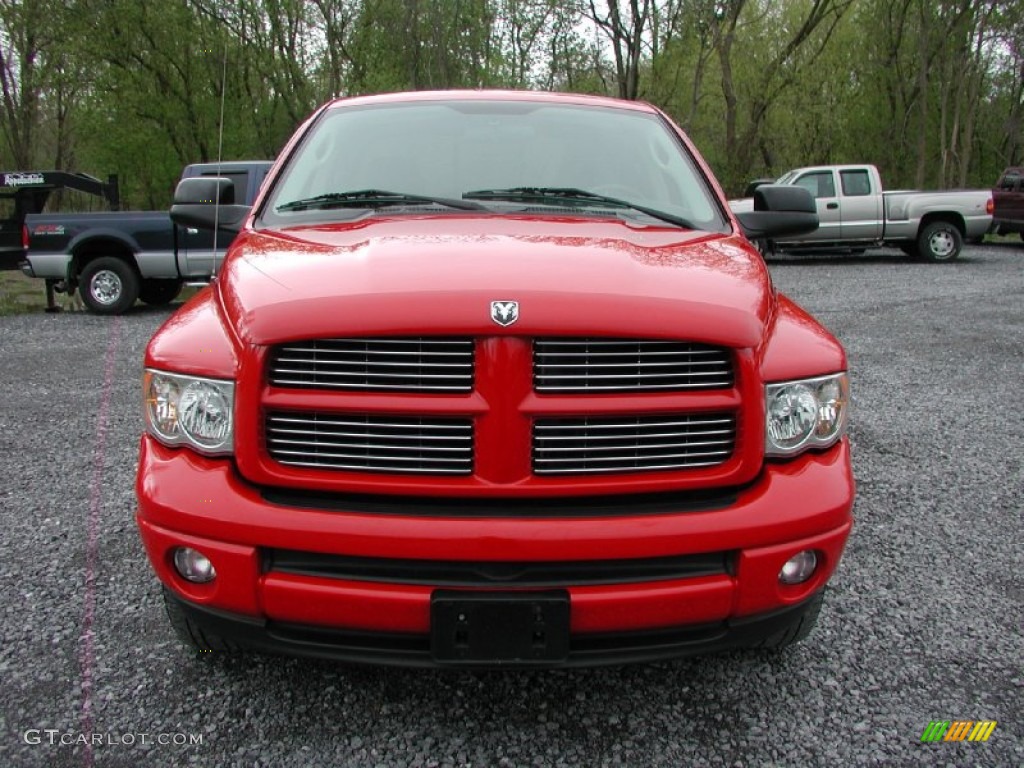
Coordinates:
187	410
810	413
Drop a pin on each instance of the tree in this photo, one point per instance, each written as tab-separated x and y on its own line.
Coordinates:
932	91
625	30
33	89
792	38
413	44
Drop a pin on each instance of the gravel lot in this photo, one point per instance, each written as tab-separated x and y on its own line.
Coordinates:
924	620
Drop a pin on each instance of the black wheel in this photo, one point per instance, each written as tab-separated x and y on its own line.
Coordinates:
910	249
939	241
799	629
108	285
191	634
160	292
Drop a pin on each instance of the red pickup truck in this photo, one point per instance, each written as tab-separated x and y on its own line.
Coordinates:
493	379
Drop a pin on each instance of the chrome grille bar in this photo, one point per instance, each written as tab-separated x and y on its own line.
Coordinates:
619	444
371	442
433	365
580	366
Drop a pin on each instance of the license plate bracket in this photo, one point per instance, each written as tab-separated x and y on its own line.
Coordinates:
503	628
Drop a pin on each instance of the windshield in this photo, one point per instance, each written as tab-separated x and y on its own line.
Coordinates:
424	155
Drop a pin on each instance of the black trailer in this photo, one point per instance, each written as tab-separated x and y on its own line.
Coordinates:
25	192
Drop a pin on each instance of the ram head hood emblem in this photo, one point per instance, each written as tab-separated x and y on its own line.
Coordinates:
504	313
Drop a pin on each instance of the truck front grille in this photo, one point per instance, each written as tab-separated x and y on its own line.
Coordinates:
371	442
432	365
493	411
624	444
582	366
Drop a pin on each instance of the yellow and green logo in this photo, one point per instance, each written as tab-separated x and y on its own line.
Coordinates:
958	730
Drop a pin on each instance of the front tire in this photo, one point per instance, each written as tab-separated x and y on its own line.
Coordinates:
940	241
799	629
192	635
158	293
108	285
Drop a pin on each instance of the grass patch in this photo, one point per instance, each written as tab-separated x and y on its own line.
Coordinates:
21	295
1014	239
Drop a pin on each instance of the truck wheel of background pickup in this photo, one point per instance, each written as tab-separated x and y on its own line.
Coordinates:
108	285
939	241
157	293
765	247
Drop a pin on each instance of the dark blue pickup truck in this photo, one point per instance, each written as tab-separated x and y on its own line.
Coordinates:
114	258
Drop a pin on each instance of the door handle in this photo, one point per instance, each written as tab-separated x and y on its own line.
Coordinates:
192	231
832	206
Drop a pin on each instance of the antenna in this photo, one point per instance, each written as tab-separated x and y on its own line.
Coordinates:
220	154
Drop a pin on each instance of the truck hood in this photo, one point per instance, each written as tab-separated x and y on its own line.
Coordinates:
437	275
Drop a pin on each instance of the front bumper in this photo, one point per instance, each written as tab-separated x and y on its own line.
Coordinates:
413	650
189	500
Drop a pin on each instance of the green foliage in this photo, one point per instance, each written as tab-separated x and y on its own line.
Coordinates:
409	45
932	91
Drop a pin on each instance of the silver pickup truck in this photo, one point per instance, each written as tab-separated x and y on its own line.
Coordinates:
854	213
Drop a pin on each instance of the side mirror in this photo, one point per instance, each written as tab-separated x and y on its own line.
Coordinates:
779	211
208	202
749	191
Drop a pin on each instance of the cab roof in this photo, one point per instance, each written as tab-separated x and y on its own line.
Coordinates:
492	95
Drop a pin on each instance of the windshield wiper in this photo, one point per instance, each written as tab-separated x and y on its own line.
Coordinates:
373	198
552	195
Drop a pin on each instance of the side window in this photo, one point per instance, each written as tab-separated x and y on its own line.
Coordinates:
819	184
855	183
1010	181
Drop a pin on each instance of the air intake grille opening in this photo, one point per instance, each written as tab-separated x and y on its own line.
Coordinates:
375	365
622	444
371	442
581	366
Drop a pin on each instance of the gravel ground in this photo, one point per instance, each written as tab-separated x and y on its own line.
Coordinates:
924	619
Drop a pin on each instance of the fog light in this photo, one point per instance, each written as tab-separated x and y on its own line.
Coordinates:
193	566
799	568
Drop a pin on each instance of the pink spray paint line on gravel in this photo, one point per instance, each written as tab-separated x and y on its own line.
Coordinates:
87	658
